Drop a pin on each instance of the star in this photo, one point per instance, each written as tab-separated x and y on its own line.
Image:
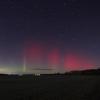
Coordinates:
74	39
72	0
65	4
36	6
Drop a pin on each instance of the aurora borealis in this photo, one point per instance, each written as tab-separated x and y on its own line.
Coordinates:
38	54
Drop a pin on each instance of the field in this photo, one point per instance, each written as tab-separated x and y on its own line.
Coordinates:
50	87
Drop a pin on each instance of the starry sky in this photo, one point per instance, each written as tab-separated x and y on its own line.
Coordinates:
59	34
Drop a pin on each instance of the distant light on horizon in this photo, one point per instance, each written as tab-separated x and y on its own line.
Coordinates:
5	70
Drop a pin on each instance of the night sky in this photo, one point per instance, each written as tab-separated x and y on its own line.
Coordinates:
49	34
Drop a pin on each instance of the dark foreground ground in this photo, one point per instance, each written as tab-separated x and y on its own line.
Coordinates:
50	87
